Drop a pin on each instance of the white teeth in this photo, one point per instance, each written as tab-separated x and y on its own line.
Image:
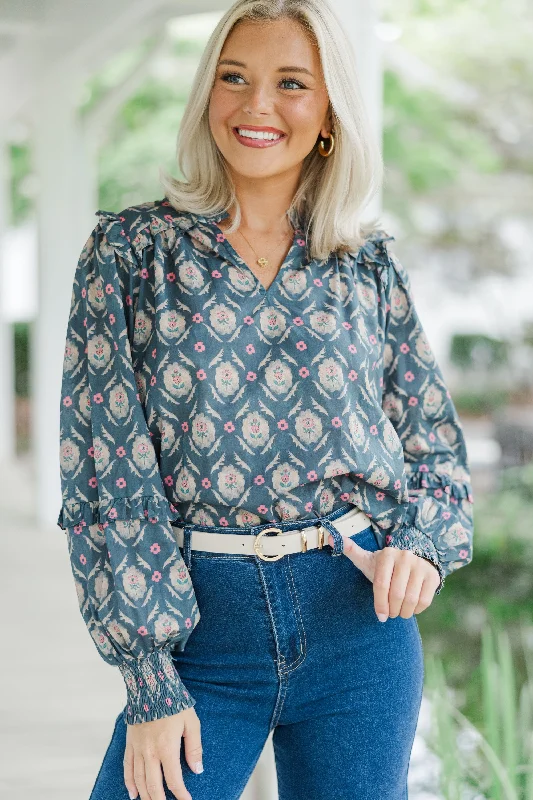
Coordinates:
258	134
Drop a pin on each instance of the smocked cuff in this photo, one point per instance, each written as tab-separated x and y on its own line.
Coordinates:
155	690
410	538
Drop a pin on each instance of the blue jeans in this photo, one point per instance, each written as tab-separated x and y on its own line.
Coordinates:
293	646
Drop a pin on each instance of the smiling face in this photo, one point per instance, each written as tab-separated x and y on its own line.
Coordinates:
269	79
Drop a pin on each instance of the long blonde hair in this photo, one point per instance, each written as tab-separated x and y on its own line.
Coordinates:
333	192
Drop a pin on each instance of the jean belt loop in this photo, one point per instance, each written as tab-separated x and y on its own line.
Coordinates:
187	532
338	542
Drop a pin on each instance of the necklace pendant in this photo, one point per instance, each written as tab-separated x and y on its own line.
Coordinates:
263	262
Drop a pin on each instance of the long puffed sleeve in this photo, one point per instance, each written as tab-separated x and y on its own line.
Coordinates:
134	590
438	524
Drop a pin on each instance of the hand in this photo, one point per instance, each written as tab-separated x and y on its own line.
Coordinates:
150	745
404	583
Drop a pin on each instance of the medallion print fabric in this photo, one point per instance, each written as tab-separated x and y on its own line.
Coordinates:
193	394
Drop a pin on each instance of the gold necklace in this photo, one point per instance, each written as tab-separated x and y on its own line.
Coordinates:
262	261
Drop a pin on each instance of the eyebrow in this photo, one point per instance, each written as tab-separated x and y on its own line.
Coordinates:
230	61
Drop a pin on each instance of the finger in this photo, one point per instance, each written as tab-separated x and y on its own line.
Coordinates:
383	570
412	594
139	774
427	595
361	558
193	744
403	565
173	774
154	778
129	778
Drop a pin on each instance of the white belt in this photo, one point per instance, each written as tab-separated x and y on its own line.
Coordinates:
270	548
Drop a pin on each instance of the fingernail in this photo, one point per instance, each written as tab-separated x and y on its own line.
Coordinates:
383	617
132	795
198	767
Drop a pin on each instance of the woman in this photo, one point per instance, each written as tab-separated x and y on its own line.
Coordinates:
248	391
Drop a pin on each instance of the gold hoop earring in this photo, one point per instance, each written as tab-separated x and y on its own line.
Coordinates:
329	151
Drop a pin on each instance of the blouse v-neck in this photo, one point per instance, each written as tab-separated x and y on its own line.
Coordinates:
224	246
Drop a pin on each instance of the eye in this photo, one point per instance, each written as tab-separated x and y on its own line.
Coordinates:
291	80
226	75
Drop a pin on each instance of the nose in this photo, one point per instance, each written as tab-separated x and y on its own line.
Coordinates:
258	100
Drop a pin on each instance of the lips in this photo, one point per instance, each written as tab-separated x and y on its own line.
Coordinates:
247	141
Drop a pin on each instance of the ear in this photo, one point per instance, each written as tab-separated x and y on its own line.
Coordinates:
327	125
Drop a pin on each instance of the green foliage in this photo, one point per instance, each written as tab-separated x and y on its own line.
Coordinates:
518	482
469	350
427	140
142	136
478	403
21	332
142	139
21	170
498	760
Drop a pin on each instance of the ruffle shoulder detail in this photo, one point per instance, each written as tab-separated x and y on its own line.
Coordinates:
134	228
374	253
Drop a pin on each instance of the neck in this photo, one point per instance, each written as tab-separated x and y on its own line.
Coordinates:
264	202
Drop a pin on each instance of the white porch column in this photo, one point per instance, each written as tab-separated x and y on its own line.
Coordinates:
7	361
65	217
359	19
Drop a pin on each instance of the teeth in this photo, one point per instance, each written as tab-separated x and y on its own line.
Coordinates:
258	134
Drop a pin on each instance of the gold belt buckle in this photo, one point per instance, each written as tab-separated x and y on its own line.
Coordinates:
257	544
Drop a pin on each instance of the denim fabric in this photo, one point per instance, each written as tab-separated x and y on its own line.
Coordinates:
293	646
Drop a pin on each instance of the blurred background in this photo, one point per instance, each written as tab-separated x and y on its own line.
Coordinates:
91	97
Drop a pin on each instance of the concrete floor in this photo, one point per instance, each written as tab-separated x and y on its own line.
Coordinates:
59	698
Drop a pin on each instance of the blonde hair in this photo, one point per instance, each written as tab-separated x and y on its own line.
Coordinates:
333	192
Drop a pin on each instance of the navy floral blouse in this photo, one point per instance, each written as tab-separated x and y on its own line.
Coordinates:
192	394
